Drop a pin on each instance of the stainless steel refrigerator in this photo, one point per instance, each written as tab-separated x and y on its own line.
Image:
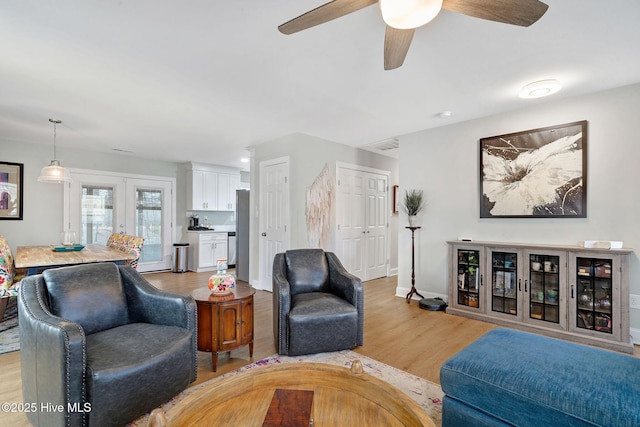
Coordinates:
242	235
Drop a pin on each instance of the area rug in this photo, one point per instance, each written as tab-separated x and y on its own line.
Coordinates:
427	394
9	336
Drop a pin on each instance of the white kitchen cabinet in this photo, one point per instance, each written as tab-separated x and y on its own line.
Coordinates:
203	190
227	186
207	247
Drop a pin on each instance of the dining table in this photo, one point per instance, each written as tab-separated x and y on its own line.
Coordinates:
36	259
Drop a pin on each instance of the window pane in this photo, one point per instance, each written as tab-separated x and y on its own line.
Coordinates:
149	223
97	214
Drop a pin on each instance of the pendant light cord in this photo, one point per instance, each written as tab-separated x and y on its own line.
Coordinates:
55	122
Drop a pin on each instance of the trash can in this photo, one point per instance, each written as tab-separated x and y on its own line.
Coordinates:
180	257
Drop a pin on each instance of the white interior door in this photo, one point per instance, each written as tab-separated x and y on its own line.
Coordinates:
376	212
362	232
274	215
351	221
98	204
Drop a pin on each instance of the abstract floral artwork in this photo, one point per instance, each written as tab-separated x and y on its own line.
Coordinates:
538	173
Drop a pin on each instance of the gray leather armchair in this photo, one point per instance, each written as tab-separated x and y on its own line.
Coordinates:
317	305
103	343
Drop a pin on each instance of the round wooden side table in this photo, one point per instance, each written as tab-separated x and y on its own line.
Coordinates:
225	322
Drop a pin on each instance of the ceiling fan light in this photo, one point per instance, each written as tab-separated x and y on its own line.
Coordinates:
407	14
54	173
540	88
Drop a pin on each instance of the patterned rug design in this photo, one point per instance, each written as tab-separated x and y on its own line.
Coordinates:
9	336
427	394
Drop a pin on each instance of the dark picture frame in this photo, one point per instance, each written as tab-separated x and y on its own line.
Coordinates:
11	190
539	173
395	199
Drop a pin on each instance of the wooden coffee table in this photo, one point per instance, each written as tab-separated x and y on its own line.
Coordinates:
225	322
341	397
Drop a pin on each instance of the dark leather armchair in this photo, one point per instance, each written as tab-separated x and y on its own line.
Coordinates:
317	305
102	345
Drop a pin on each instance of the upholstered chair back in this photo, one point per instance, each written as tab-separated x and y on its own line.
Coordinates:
92	296
307	271
128	244
7	266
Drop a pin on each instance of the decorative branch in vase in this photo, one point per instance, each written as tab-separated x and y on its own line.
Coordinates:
412	205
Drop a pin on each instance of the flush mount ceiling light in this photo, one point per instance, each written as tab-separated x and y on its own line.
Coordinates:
540	88
54	172
407	14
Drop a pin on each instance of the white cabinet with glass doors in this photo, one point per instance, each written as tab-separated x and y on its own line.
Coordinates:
567	292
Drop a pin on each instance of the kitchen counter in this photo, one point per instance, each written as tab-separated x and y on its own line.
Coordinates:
216	229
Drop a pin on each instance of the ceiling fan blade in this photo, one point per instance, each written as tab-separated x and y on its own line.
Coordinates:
515	12
325	13
396	46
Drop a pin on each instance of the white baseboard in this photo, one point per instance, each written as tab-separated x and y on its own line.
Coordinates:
256	284
393	271
402	292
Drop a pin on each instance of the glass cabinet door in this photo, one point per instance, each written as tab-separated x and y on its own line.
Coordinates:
504	276
468	279
544	287
594	298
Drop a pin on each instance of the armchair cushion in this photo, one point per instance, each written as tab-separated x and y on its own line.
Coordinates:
94	299
119	360
320	322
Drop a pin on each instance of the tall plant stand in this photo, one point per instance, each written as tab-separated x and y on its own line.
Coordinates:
413	265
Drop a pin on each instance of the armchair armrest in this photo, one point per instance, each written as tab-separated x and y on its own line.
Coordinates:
281	303
149	304
343	284
57	369
348	287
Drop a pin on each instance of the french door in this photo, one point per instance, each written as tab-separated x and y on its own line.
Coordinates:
362	217
98	204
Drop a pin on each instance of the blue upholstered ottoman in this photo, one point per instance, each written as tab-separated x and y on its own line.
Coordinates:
509	377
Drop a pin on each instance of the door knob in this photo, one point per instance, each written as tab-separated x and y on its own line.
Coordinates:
264	234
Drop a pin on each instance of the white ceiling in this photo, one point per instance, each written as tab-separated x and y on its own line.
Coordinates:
198	80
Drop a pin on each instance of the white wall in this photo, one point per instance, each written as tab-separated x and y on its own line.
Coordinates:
43	210
444	162
308	156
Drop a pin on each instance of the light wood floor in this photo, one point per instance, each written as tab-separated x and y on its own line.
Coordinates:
396	333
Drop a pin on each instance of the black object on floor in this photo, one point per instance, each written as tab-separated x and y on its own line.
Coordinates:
434	304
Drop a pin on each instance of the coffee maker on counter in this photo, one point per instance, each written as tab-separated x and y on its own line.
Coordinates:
194	224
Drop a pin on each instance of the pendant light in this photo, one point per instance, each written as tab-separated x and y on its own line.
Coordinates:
407	14
54	172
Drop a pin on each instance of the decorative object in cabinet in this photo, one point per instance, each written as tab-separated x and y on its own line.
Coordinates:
468	278
544	287
594	303
504	295
569	292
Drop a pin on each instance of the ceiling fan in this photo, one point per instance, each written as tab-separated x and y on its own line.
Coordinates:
404	16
